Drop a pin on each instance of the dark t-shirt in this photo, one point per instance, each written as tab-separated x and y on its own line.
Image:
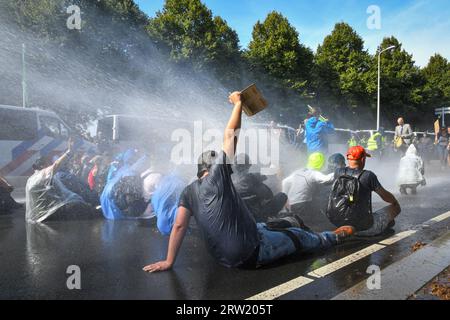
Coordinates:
252	190
369	183
251	184
227	225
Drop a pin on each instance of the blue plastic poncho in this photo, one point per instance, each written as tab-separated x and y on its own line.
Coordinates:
122	159
109	207
165	201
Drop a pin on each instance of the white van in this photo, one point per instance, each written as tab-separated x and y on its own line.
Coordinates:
26	134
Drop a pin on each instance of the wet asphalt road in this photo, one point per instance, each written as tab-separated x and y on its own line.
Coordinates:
111	254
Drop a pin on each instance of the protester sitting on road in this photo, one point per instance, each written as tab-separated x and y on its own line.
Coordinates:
411	171
257	196
150	181
228	227
165	201
7	203
123	195
316	130
127	158
335	161
48	191
350	200
86	167
320	198
300	187
98	174
93	173
442	146
76	165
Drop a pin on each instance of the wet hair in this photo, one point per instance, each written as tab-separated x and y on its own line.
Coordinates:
336	161
205	162
41	163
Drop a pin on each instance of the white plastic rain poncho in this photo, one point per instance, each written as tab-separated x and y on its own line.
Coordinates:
411	168
46	194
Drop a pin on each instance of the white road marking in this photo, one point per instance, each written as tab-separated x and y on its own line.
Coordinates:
397	237
439	218
321	272
341	263
282	289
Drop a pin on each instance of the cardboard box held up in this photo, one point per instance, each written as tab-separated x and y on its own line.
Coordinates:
252	100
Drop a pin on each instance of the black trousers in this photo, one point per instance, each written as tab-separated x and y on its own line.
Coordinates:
262	210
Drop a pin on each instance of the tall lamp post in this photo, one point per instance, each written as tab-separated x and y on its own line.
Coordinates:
379	84
24	79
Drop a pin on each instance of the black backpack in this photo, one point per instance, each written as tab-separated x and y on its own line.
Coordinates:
344	205
127	194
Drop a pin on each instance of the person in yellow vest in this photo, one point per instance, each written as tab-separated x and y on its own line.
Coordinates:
352	142
363	141
376	143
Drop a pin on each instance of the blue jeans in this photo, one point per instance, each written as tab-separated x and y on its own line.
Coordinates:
275	245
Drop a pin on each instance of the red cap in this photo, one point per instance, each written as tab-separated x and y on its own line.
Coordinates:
357	153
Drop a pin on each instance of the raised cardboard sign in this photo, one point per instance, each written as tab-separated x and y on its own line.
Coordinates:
252	100
437	127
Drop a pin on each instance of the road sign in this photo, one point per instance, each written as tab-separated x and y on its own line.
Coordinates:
442	112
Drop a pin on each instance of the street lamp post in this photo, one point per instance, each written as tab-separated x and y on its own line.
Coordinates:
379	85
24	79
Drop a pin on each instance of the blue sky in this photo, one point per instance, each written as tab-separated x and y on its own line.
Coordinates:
423	26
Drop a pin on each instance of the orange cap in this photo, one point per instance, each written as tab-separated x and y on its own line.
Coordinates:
357	153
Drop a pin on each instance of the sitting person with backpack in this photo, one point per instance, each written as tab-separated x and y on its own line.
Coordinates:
350	201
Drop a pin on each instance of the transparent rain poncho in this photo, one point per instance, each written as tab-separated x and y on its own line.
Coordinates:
165	202
46	194
411	168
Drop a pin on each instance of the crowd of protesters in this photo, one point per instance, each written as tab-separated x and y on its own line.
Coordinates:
245	222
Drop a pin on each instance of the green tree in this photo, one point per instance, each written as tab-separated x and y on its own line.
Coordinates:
226	54
401	85
437	86
275	49
187	30
281	66
342	71
38	16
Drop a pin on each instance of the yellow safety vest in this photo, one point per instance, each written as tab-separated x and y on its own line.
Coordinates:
352	142
372	144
